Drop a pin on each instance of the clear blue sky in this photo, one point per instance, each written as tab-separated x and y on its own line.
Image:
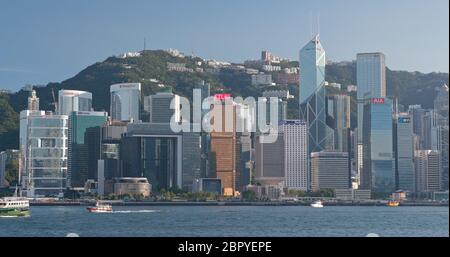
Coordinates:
52	40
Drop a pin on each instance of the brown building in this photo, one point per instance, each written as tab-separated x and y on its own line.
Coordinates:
223	153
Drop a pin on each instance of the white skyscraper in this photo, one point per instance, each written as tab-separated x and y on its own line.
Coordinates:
428	171
44	154
73	100
295	134
125	99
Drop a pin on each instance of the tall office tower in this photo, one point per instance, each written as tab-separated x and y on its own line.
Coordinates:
205	89
379	165
282	103
244	171
428	171
339	113
223	154
296	172
404	152
125	99
312	95
73	101
430	131
418	119
104	159
45	155
93	142
443	149
329	170
158	106
371	81
33	101
441	106
270	161
78	159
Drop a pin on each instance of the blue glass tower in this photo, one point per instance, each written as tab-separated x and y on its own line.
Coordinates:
379	163
312	95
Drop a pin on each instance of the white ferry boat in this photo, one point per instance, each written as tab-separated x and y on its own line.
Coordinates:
100	207
317	204
14	206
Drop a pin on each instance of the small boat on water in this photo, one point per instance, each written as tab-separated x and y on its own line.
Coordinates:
392	203
14	206
100	207
317	204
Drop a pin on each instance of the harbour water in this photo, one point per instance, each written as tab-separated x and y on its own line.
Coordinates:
226	221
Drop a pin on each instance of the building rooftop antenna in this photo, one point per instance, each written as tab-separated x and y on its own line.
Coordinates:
318	23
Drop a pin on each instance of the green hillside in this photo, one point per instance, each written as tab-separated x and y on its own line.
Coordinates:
412	87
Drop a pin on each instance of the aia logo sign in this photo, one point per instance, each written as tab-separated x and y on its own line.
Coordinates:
378	100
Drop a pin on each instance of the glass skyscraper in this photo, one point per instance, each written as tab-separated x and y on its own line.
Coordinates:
312	95
371	82
379	166
45	155
404	152
125	99
78	148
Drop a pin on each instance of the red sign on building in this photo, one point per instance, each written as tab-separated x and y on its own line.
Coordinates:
222	96
378	100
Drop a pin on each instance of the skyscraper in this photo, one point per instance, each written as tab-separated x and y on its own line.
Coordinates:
329	170
282	104
418	119
295	154
339	113
443	132
32	110
404	152
45	155
371	82
73	100
158	106
379	167
205	89
224	154
441	106
428	171
270	161
312	95
125	99
78	159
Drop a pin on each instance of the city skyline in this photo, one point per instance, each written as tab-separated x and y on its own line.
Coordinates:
212	35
